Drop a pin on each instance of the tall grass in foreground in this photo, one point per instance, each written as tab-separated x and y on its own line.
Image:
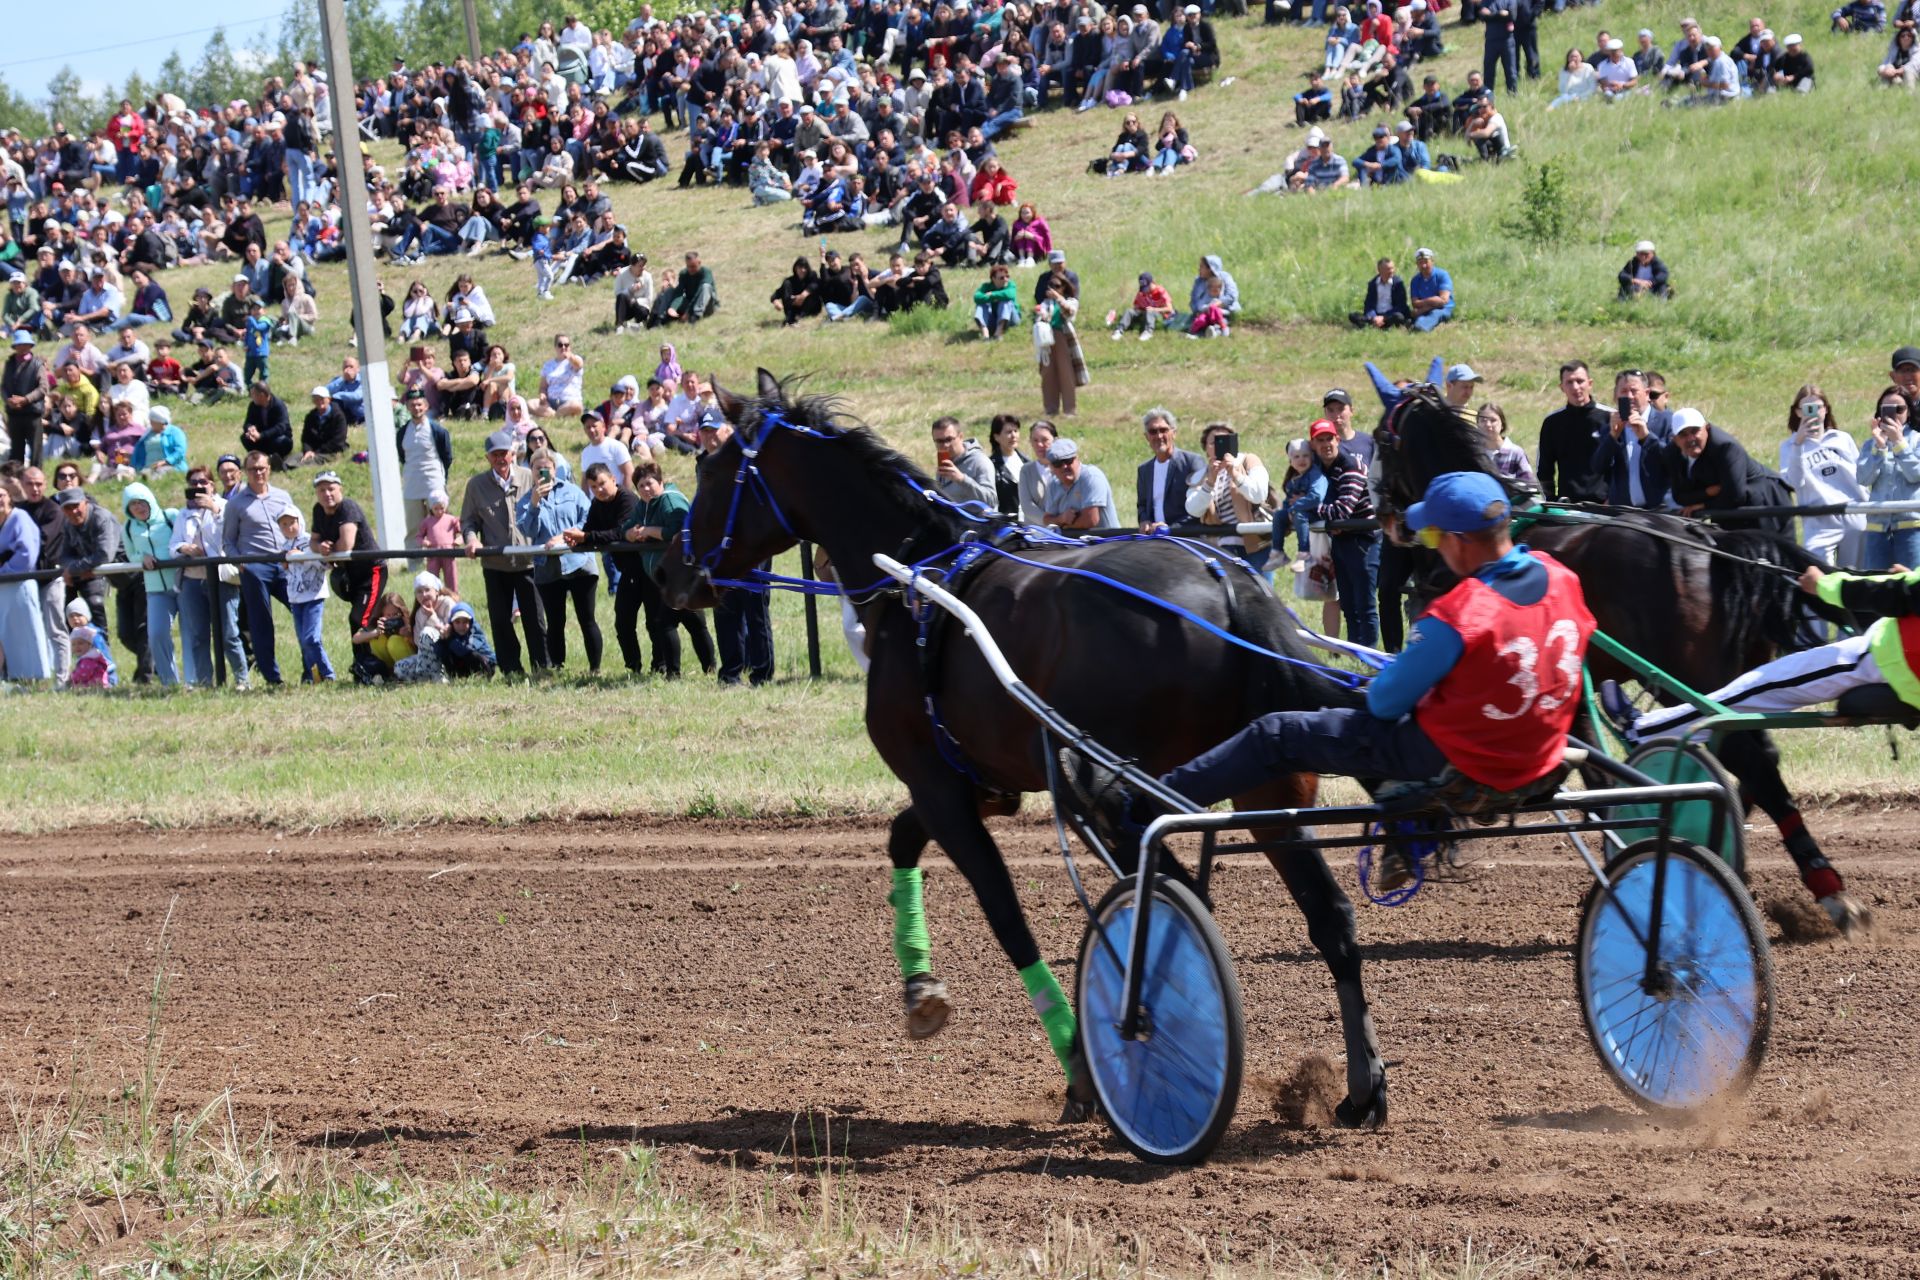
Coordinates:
111	1181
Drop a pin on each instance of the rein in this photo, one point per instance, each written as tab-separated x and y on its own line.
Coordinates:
748	476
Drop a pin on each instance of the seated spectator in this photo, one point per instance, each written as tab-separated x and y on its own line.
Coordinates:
1644	276
798	295
458	389
561	382
692	296
1131	151
1901	67
463	649
859	300
1384	163
1031	238
988	240
389	635
1150	306
1860	15
1414	155
1313	104
1616	75
1171	147
996	304
1467	105
164	374
1794	70
1211	317
1647	58
767	181
1688	62
1213	286
1719	84
1487	130
1325	170
1578	80
1384	306
946	236
1353	96
1430	293
163	448
299	315
992	183
1432	112
419	314
323	433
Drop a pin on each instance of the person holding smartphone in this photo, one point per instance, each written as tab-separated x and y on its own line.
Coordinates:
1234	488
1890	472
1822	464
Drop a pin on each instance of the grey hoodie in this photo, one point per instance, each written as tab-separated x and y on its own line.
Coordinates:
976	477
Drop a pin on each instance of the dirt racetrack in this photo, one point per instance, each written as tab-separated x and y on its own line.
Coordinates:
461	996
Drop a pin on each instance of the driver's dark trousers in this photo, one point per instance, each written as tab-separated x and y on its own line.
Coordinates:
1350	742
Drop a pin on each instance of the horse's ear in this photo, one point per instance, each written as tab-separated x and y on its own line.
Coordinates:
769	386
733	406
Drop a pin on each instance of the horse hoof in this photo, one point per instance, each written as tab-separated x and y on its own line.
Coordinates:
1369	1115
927	1007
1848	916
1078	1111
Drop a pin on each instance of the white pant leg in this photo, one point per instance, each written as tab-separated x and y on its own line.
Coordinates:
1789	683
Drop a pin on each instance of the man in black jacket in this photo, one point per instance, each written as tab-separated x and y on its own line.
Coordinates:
1632	455
268	429
323	436
1568	439
1710	471
1384	304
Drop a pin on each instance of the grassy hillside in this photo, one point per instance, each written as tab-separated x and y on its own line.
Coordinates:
1780	218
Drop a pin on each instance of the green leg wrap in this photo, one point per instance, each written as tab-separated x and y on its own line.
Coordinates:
1056	1015
911	947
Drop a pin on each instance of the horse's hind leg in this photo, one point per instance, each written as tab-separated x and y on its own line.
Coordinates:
1330	927
926	996
950	814
1755	760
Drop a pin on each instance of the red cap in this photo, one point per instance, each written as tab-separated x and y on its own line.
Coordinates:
1322	427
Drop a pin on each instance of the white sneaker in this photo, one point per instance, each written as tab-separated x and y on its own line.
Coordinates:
1183	95
1146	335
478	245
1118	334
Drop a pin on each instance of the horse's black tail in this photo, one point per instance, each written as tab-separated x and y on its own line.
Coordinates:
1762	606
1257	616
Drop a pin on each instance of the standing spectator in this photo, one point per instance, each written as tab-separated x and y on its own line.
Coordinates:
306	599
1231	488
1509	459
1430	294
1161	482
439	531
250	525
1711	471
488	518
1570	437
1063	369
197	534
1644	275
1631	455
1009	466
89	539
148	539
25	653
1497	21
1890	472
1822	463
1337	407
339	525
1036	476
745	631
962	472
425	451
23	382
1079	497
1384	305
551	508
1355	552
258	342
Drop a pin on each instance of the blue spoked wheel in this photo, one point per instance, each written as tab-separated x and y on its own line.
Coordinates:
1695	821
1698	1028
1169	1093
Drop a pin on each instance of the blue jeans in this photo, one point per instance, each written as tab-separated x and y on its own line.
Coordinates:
1883	549
860	306
134	319
1432	320
998	125
299	174
1351	742
430	238
314	665
162	608
262	584
1356	568
487	171
1180	70
196	632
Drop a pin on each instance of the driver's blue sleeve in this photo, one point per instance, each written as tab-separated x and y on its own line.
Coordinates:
1432	649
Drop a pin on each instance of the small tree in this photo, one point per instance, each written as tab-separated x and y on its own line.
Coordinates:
1546	209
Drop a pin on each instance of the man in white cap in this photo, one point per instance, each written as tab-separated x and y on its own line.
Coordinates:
1794	69
323	435
1616	73
1644	276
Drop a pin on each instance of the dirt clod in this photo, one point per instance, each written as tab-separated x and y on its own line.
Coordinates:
1799	920
1306	1099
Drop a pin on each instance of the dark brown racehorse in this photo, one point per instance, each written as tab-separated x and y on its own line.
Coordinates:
1140	679
1655	584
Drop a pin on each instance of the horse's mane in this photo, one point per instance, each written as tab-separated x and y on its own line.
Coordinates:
830	414
1423	435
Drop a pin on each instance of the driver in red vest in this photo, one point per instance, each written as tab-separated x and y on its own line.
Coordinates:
1489	681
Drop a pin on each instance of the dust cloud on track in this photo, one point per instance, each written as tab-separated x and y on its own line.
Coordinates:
453	996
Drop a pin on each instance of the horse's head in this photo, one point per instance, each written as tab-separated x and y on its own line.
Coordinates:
743	493
1421	437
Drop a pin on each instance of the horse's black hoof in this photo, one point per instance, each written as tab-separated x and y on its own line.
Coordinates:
927	1006
1079	1112
1371	1114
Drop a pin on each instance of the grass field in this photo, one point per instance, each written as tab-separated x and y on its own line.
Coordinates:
1780	219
